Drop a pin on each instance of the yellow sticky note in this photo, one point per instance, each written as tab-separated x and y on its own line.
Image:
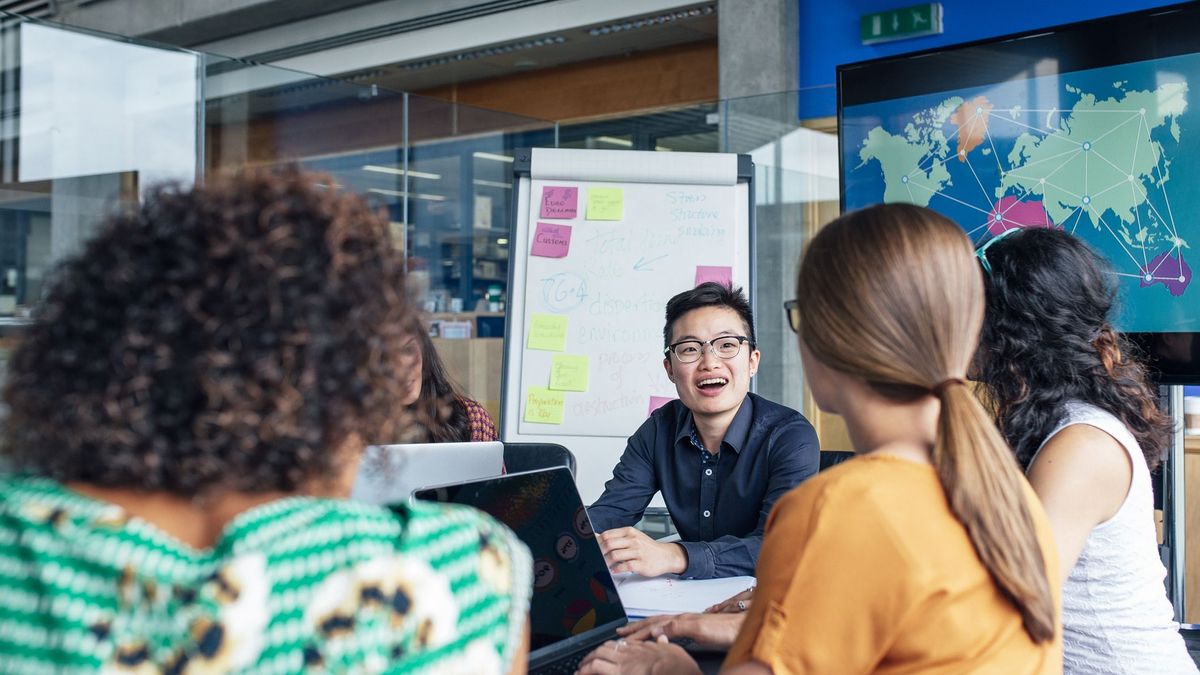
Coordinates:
548	332
569	372
605	204
543	406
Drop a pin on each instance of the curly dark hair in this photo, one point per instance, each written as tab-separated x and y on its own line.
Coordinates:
226	337
440	404
1047	339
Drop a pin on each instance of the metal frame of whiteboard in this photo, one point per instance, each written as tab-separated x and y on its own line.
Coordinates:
596	455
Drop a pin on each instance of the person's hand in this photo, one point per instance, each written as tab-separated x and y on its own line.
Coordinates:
737	603
627	549
637	658
716	631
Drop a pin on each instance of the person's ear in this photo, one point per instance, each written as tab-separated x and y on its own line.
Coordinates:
754	358
667	367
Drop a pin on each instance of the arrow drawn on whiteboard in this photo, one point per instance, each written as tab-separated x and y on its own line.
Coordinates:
643	265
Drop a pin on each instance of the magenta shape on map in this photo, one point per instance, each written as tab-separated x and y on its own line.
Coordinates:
1168	270
1017	213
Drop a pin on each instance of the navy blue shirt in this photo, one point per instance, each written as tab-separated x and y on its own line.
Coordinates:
719	499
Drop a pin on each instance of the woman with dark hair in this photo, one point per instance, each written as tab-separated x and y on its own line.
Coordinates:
1082	418
430	392
928	551
188	409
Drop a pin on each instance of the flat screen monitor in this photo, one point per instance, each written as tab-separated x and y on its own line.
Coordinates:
1090	127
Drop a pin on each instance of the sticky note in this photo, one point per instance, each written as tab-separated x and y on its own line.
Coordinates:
551	241
543	406
605	204
559	202
721	275
548	332
657	402
569	372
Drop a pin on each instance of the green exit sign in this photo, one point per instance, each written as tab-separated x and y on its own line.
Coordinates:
901	24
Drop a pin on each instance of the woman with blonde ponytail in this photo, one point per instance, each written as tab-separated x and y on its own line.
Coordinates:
929	551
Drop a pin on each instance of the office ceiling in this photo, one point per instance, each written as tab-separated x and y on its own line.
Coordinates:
556	49
627	35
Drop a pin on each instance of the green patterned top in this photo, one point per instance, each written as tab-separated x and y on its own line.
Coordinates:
296	584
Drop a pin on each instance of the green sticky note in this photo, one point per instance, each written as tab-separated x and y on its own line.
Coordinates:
605	204
548	332
569	372
543	406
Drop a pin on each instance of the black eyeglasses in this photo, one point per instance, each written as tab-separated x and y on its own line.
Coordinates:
793	315
690	351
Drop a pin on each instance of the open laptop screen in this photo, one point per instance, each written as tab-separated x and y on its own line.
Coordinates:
573	591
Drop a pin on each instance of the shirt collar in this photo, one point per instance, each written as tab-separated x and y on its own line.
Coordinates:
735	436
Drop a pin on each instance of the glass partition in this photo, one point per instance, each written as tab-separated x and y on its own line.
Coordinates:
442	171
795	192
89	122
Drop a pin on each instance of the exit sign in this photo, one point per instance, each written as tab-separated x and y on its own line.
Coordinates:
900	24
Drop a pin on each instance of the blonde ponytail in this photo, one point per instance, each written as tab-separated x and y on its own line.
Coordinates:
893	294
987	494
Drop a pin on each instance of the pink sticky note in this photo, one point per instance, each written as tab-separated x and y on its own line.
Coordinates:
657	402
551	241
721	275
559	202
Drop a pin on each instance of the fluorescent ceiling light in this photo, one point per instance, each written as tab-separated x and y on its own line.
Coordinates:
501	242
492	156
415	195
493	183
486	52
611	140
400	172
651	21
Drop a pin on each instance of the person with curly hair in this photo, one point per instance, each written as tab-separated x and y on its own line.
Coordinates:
1077	409
188	411
429	391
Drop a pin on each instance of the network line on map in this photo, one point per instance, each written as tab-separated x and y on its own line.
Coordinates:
996	210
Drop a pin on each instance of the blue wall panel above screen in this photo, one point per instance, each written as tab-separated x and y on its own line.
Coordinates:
829	34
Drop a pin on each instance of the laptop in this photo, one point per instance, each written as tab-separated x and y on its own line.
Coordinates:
390	473
575	606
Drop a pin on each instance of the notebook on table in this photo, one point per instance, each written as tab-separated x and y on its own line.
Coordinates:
575	605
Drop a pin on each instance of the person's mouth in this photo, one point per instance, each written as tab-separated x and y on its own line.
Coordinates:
712	386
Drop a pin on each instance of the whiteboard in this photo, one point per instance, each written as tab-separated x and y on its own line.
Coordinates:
682	215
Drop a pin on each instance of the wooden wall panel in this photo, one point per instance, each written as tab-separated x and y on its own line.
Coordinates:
679	75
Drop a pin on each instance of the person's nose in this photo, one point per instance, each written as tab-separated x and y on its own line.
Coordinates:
708	356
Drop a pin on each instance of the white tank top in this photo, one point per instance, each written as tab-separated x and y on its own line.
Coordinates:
1116	615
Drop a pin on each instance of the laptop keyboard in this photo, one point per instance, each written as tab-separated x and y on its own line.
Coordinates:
563	667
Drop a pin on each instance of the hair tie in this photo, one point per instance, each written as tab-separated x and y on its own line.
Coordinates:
940	388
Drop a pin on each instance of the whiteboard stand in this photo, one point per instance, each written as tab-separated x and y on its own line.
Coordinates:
681	216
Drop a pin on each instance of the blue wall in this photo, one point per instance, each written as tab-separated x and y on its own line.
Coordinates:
829	33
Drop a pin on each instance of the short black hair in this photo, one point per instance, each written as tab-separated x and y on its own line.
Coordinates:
709	294
229	336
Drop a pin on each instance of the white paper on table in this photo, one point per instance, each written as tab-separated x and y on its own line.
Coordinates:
669	594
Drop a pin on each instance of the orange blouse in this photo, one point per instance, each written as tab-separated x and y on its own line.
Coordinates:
864	569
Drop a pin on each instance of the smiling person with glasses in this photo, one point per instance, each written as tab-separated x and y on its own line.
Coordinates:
720	455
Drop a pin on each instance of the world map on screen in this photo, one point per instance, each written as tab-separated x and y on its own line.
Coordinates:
1110	154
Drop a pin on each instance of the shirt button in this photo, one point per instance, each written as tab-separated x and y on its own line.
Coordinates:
708	472
707	513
